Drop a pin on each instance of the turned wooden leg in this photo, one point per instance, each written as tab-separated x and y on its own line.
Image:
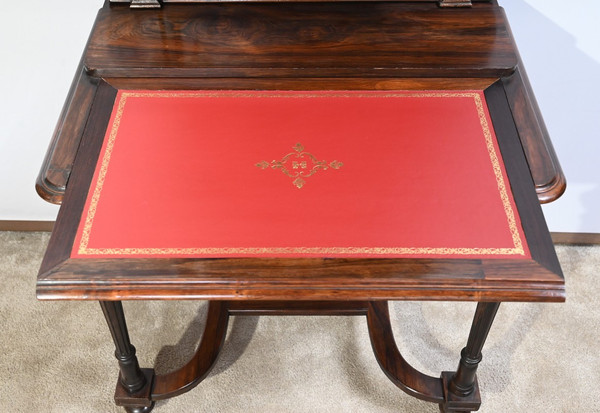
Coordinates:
134	384
460	388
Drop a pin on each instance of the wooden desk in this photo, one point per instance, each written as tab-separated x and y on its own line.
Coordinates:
359	54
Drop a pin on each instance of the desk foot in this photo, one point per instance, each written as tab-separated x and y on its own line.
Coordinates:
139	402
459	404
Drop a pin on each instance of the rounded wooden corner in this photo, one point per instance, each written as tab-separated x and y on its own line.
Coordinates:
49	192
553	190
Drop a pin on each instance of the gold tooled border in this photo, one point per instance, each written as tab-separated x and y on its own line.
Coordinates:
517	249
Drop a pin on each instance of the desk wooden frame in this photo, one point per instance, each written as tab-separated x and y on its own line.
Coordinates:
303	286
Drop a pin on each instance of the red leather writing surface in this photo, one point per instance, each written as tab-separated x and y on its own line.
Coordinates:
300	174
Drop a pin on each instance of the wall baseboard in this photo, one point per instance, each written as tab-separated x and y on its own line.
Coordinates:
27	226
567	238
576	238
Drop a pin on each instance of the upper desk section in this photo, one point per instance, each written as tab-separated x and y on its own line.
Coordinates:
286	45
302	39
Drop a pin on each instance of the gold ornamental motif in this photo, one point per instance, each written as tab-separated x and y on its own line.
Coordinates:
299	165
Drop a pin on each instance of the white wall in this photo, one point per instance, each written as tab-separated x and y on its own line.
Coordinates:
41	42
40	45
560	47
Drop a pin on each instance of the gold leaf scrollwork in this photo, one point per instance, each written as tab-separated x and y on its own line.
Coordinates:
299	165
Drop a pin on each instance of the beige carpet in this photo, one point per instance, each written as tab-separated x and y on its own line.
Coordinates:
57	356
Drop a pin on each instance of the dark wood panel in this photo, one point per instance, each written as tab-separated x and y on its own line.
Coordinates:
301	39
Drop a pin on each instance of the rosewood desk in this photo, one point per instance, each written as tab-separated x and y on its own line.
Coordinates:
301	159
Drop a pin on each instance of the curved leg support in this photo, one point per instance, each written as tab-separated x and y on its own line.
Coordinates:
391	361
190	375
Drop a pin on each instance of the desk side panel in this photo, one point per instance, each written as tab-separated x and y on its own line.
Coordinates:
550	181
91	143
520	177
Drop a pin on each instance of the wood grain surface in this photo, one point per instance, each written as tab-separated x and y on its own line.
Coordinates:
302	39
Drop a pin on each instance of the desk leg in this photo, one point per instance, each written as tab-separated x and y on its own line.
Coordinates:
134	385
461	392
